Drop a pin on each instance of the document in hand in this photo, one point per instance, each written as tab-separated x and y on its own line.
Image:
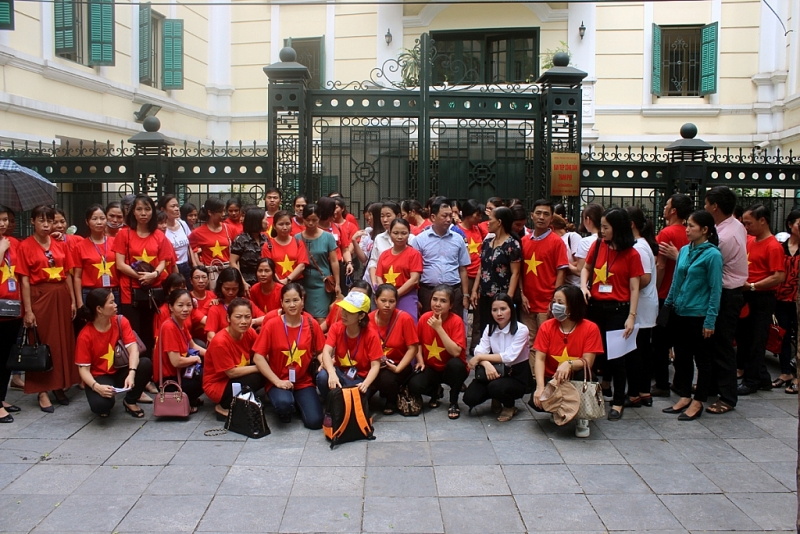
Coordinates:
618	346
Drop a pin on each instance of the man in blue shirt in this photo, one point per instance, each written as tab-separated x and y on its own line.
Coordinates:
444	258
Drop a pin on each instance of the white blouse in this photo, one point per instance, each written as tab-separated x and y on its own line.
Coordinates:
512	348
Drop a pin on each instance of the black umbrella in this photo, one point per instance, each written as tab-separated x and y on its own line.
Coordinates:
22	189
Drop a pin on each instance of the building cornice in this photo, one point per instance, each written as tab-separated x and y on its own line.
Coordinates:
542	11
703	110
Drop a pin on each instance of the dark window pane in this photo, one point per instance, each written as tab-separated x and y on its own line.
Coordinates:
680	64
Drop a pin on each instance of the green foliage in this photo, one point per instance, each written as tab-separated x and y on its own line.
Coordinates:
547	55
409	66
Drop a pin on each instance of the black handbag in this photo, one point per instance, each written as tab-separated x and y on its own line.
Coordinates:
663	315
246	416
480	371
27	357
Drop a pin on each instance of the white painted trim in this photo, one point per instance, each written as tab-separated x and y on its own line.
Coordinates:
542	11
48	30
7	136
546	14
330	44
702	110
135	45
647	55
275	41
425	17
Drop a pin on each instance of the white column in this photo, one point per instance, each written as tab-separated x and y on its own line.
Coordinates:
275	41
135	45
390	17
330	46
218	85
47	30
583	52
771	78
647	56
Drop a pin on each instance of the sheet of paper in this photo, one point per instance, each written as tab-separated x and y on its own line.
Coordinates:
236	388
618	346
121	390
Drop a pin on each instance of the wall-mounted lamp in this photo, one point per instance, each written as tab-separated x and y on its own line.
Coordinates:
147	110
388	36
582	30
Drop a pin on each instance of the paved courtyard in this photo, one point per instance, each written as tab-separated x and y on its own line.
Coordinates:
70	471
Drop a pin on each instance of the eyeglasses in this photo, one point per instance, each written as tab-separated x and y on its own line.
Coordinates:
50	260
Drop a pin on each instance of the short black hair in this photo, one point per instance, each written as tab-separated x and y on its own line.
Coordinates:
235	303
229	274
470	207
513	326
386	287
543	202
760	211
682	204
234	201
576	304
724	197
437	203
273	190
620	223
253	221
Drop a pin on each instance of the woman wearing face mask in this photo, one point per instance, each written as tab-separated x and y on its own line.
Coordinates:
565	346
229	287
114	219
401	266
504	341
227	360
94	258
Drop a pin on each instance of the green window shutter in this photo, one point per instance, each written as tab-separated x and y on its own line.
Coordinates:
6	14
145	43
101	32
708	59
655	84
64	22
173	54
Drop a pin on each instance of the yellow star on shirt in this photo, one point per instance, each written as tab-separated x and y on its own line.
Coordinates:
748	259
54	272
144	257
244	361
600	274
287	265
7	272
563	358
390	276
387	350
109	357
347	361
293	355
473	246
533	264
434	351
216	250
102	268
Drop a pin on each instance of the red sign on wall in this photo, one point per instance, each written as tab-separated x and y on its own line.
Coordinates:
565	174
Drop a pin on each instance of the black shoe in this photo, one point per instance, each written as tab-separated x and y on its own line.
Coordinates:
220	417
49	409
766	386
12	409
7	419
61	397
614	415
635	402
658	392
684	417
672	410
285	417
744	391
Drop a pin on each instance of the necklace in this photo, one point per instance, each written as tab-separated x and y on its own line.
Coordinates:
566	334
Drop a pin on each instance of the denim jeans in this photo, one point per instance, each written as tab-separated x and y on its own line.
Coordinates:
322	381
306	399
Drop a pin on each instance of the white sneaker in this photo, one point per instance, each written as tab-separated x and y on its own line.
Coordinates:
582	428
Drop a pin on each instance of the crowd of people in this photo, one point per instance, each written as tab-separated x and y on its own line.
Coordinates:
295	299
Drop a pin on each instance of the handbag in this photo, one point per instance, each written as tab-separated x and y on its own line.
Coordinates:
121	356
329	281
592	406
10	308
27	357
173	403
775	338
480	371
663	315
246	416
408	404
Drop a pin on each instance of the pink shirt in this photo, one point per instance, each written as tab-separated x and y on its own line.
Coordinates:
733	246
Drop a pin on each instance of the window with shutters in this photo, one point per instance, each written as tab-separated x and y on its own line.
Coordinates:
84	31
150	22
6	14
311	54
684	60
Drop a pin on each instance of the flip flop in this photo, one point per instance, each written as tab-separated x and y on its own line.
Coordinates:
719	407
780	382
454	412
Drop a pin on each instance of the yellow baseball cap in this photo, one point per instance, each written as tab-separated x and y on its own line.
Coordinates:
355	302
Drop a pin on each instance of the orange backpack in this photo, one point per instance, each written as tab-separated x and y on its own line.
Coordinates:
346	417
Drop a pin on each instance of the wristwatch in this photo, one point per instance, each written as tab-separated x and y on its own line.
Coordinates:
752	287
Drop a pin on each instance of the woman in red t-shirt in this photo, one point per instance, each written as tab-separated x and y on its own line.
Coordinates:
9	326
284	351
115	219
179	358
352	354
142	252
401	266
94	258
442	357
399	341
565	346
201	299
233	210
266	293
228	358
48	298
213	239
285	249
229	286
612	269
94	355
172	283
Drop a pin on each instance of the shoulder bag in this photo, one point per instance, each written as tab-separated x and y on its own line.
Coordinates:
591	396
246	416
598	242
173	403
408	404
27	357
121	356
480	371
329	281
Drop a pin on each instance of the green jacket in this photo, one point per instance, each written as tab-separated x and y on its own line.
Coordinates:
697	283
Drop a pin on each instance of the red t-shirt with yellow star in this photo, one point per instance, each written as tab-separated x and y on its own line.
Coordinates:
235	228
276	343
342	235
151	249
615	269
474	239
585	338
356	351
270	301
396	269
171	339
541	260
89	257
286	257
399	334
433	351
96	349
212	245
222	354
416	230
8	271
217	318
764	258
34	264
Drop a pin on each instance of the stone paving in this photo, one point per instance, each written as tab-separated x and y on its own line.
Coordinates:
70	471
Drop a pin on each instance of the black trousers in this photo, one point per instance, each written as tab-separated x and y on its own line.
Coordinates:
609	316
659	362
428	381
751	335
425	293
388	383
193	387
723	356
141	319
8	336
506	389
255	382
786	313
639	363
102	405
692	349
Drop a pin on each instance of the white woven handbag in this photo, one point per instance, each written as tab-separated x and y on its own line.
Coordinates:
592	406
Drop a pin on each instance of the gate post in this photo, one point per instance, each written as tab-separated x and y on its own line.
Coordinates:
687	164
424	138
151	159
560	127
289	134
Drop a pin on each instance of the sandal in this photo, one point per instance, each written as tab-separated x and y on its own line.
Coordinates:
454	412
435	401
193	409
780	382
497	406
137	414
719	407
507	414
144	398
388	409
792	389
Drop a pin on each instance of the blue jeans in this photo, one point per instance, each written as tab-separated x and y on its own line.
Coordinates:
322	381
306	399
